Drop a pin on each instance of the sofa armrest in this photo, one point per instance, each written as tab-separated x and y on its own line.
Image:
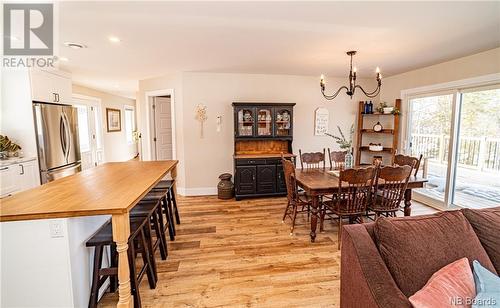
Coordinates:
365	280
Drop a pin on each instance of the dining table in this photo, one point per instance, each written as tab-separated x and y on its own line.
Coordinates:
323	181
109	189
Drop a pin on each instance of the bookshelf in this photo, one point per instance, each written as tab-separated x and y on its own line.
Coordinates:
388	136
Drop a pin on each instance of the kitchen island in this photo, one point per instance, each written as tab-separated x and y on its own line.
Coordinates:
109	189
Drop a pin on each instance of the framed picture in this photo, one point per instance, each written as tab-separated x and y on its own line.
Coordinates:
114	120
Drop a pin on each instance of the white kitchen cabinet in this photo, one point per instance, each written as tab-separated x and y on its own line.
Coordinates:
18	176
50	86
7	180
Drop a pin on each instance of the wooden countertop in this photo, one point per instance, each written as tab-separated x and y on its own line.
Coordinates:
111	188
263	155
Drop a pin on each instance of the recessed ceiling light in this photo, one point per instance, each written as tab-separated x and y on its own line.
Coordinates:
74	45
114	39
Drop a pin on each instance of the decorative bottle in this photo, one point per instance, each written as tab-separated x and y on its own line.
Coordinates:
348	162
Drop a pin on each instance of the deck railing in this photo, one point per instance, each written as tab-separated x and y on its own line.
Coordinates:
481	153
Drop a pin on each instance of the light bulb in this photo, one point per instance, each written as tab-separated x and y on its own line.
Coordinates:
377	70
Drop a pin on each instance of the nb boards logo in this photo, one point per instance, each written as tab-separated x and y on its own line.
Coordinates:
28	37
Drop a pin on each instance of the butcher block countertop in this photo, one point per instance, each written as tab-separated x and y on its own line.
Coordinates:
287	155
111	188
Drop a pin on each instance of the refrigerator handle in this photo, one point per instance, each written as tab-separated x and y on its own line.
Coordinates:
62	134
68	134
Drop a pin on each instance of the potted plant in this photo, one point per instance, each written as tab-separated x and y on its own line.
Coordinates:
345	144
7	147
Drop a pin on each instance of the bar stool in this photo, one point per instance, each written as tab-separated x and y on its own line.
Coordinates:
161	196
153	211
169	185
137	243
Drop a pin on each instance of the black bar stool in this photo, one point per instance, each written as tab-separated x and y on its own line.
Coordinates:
161	196
153	211
137	243
169	185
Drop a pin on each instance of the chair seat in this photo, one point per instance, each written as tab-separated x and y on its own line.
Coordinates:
143	208
154	195
104	236
164	184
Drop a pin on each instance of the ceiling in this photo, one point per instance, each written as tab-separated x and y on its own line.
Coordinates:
303	38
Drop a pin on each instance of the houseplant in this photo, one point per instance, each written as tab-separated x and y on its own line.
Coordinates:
345	144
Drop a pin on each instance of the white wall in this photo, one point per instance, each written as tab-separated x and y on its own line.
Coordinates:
116	147
205	158
17	110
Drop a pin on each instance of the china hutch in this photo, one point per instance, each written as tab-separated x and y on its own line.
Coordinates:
262	131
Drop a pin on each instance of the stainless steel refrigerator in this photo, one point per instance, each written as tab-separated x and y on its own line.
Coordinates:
57	139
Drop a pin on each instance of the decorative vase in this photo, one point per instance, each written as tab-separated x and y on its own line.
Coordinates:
349	160
225	188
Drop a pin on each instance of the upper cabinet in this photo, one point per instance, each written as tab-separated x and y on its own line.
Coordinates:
245	120
50	86
283	121
263	120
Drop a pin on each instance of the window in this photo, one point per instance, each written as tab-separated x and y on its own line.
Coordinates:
129	124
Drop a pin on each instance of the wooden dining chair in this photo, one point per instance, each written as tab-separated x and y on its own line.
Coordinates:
390	186
295	202
352	197
404	160
337	159
312	160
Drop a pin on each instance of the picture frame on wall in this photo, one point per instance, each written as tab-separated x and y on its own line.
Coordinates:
113	120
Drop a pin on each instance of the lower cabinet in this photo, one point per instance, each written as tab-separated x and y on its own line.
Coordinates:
18	177
259	178
245	180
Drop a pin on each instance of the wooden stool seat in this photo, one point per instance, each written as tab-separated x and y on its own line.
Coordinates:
104	235
164	184
165	196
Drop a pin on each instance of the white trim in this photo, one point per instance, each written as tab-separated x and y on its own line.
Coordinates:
454	85
148	95
201	191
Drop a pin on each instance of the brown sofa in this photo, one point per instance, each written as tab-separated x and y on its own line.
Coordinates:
384	263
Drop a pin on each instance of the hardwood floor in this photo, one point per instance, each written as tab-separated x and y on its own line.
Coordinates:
239	254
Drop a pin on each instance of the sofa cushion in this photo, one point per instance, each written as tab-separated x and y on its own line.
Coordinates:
452	282
414	248
487	287
486	224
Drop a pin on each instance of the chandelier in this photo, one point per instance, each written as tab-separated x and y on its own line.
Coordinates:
352	83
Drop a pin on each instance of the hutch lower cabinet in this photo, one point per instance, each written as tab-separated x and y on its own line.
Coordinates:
262	132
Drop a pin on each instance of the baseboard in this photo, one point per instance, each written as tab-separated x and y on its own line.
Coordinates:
201	191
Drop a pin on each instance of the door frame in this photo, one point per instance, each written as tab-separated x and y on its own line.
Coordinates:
149	122
454	88
94	101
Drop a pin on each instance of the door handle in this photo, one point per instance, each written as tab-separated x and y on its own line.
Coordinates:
22	169
4	168
57	95
68	134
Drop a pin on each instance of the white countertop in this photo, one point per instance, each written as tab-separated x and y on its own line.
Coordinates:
15	160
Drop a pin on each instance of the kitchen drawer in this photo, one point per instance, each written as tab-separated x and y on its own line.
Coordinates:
250	161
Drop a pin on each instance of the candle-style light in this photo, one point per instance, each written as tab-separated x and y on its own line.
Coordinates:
352	83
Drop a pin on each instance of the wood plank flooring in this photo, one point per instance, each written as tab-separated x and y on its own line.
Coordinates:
239	254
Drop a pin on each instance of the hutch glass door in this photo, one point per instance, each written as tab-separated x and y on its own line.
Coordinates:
283	122
264	122
246	117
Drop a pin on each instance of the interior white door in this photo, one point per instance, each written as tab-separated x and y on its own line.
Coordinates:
162	138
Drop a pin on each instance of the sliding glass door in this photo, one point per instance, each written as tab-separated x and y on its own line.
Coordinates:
458	134
429	135
477	167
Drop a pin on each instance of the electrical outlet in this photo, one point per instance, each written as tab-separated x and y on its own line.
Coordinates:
56	229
